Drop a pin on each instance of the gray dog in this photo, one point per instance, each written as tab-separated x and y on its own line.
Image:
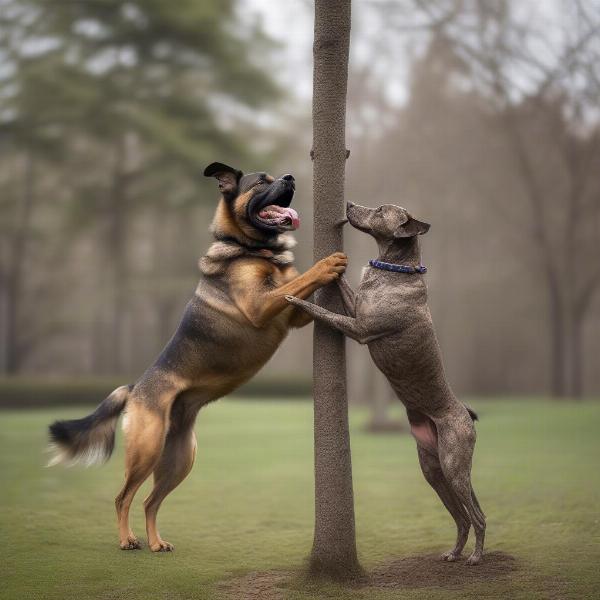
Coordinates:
390	314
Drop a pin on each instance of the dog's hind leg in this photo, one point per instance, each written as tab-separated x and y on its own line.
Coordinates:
173	467
456	441
425	433
145	437
481	516
432	470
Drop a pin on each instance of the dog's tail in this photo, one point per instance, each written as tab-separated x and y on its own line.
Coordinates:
90	440
472	413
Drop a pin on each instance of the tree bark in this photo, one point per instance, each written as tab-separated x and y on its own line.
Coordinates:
557	343
579	313
334	547
576	357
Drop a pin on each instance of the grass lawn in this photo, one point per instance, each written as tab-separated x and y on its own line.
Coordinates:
248	506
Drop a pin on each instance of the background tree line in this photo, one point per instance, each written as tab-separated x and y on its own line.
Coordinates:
110	109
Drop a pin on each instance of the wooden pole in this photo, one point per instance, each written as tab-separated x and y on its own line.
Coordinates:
334	547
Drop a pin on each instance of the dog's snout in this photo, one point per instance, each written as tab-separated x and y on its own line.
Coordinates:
288	181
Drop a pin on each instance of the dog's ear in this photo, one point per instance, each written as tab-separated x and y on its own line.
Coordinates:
227	176
411	228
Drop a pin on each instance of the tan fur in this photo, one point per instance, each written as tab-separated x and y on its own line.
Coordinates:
254	315
224	221
234	323
259	302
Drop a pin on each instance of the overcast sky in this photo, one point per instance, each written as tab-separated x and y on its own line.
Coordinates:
291	23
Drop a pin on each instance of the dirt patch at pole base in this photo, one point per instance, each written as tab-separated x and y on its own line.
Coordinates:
410	572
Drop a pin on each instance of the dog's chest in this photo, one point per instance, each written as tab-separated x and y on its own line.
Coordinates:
214	312
389	304
374	300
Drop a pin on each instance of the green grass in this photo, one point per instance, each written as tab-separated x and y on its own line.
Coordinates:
248	505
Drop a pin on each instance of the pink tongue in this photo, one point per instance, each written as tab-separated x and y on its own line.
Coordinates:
293	216
280	213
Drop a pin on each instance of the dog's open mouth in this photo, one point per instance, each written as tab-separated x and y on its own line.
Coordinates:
282	218
269	210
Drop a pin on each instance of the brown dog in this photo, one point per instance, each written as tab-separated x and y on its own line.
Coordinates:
230	328
389	313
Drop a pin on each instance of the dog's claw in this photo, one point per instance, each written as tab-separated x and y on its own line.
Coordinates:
449	556
162	546
130	544
474	559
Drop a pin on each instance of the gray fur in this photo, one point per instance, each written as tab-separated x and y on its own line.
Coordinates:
389	312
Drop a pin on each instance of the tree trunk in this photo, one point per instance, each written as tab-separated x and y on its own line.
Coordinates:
576	356
14	278
579	313
379	402
117	240
557	344
334	547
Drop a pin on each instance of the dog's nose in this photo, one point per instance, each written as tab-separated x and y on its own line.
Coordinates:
289	181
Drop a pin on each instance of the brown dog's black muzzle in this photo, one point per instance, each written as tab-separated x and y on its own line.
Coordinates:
280	192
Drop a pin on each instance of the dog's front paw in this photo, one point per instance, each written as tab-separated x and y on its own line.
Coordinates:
294	300
331	268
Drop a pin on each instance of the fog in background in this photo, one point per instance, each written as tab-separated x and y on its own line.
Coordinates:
479	116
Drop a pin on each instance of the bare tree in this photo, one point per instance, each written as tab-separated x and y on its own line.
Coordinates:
550	119
13	279
540	79
334	547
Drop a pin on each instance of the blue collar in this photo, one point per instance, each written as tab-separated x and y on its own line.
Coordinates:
397	268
